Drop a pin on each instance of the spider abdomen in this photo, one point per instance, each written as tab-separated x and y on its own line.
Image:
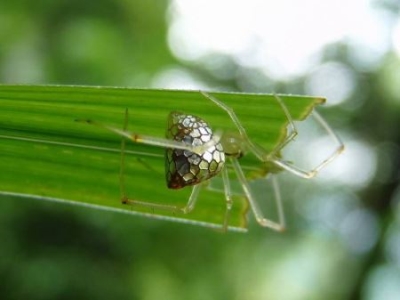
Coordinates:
183	167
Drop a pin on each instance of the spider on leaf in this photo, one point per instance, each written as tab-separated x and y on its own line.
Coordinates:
195	154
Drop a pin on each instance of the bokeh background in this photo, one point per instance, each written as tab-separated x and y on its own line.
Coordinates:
343	237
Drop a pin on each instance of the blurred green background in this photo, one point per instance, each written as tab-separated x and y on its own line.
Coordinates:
343	237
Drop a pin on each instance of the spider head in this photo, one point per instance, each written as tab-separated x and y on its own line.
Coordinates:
233	145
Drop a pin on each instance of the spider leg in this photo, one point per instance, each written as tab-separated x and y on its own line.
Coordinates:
124	198
292	126
311	173
259	153
258	214
228	198
192	199
185	210
156	141
263	156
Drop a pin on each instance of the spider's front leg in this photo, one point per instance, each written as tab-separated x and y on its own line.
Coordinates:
307	174
272	157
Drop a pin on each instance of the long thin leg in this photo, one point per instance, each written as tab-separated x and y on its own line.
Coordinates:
311	173
263	156
292	126
186	209
192	199
256	150
155	141
278	200
228	197
258	214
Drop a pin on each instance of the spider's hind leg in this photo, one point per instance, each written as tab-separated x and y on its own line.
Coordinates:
174	208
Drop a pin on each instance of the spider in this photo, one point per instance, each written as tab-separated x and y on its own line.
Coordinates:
194	154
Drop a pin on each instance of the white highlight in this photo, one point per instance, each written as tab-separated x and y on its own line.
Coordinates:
282	38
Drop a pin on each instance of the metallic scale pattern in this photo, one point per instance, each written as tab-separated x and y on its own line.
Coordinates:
183	167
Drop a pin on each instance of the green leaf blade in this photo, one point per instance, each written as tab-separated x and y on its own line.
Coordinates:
46	154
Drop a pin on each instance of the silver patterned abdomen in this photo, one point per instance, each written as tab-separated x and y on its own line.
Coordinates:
183	167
